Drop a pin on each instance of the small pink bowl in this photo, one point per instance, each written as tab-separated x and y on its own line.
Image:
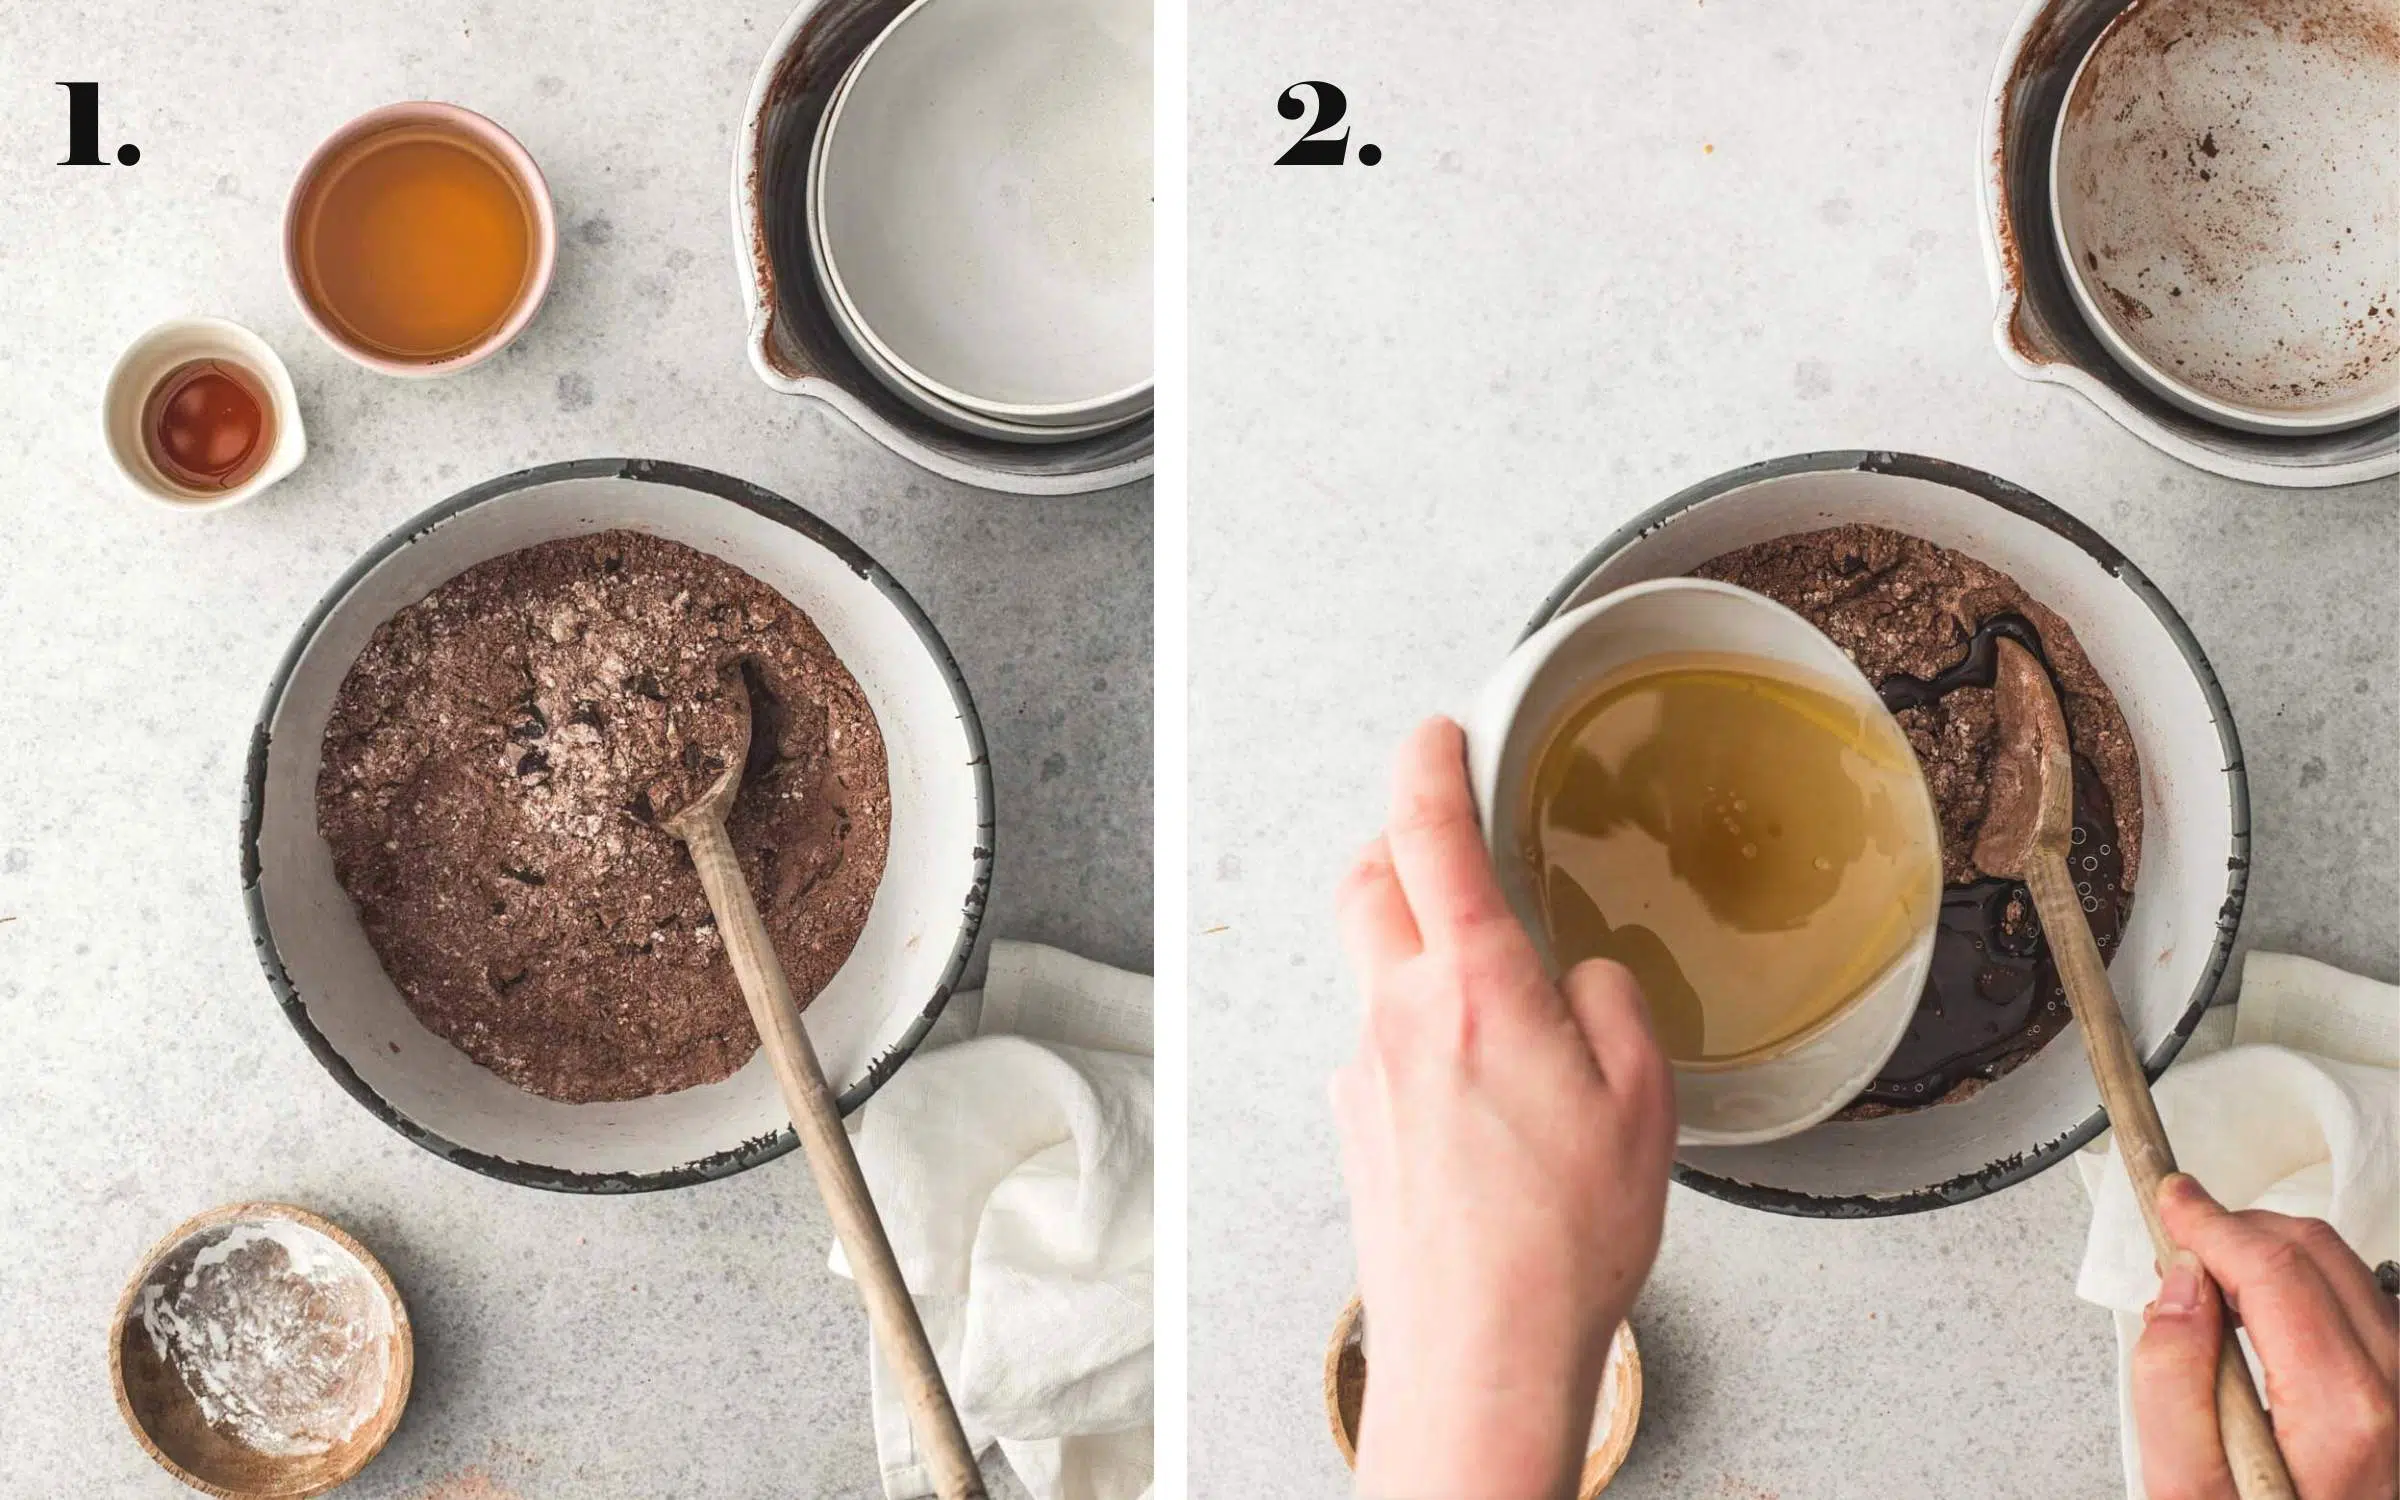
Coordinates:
511	154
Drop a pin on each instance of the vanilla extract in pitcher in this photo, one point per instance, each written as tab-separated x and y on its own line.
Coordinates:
1754	847
208	425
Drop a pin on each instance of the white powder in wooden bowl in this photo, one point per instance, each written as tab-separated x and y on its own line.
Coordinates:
279	1334
1604	1410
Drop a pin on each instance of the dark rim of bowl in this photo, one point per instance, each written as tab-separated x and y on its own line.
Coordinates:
2022	502
751	498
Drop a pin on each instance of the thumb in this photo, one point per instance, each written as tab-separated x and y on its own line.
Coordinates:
2175	1388
1609	1010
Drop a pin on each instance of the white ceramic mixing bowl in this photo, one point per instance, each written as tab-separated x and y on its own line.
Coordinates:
793	341
2195	860
865	1022
899	380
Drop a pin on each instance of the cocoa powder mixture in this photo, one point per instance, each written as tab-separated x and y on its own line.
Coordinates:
1915	618
494	769
1897	604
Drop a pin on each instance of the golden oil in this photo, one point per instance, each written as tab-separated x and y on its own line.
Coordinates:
417	242
1753	847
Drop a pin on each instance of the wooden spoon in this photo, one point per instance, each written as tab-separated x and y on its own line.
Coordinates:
2026	835
898	1331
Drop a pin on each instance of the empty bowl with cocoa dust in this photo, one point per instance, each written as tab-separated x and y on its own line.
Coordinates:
2044	333
2225	190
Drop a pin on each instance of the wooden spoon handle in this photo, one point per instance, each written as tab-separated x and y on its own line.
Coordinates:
819	1123
2250	1450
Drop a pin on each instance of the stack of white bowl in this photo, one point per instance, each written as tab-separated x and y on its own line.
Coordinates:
2249	285
979	213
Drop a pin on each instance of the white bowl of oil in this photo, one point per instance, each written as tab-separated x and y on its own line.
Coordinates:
419	239
1689	778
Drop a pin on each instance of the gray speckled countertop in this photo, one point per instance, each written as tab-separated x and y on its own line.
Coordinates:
687	1343
1420	392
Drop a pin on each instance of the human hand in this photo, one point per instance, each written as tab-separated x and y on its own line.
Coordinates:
1506	1147
2326	1335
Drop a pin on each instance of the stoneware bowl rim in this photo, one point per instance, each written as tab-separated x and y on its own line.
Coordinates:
750	497
493	135
403	1336
2031	507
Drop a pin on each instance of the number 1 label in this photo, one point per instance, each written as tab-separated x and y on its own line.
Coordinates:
83	129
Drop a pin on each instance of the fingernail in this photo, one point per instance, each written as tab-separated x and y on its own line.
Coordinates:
2179	1286
2183	1186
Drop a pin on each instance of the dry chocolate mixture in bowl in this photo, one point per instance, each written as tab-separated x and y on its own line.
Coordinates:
1923	623
493	770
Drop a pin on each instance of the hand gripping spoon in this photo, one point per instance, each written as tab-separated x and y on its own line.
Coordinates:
2026	836
701	827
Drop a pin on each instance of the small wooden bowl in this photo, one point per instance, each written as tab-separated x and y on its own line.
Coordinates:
1613	1425
167	1419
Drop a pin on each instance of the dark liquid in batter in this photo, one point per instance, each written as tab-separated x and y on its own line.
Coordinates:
1993	994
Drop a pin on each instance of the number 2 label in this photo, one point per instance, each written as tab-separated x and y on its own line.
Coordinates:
1318	147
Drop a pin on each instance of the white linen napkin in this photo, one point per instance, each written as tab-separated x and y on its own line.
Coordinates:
1012	1170
2297	1116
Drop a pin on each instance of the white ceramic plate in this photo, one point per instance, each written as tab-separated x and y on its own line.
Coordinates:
791	341
986	203
2225	191
897	379
867	1020
2195	833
